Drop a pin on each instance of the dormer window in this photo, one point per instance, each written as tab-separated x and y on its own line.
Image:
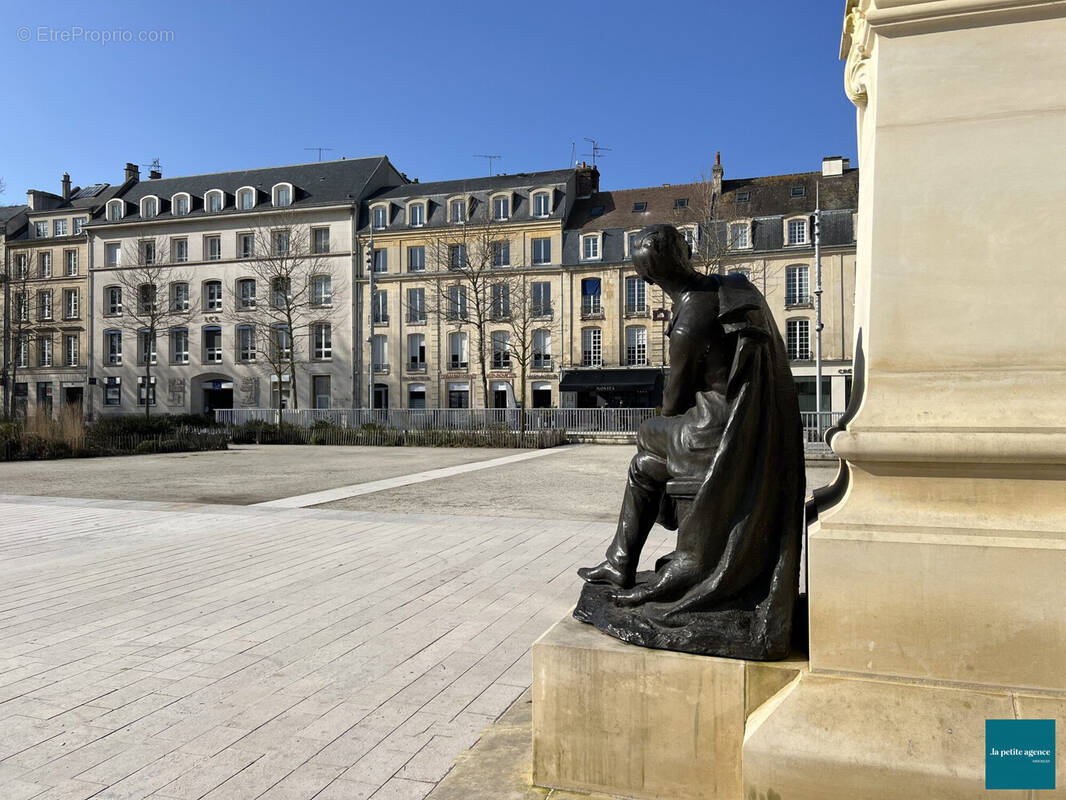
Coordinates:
798	191
680	202
744	196
180	204
640	207
457	211
246	198
213	201
739	235
380	217
542	204
416	215
282	194
115	210
796	231
149	207
501	207
590	247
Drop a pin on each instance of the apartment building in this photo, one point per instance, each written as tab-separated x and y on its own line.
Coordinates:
229	289
48	318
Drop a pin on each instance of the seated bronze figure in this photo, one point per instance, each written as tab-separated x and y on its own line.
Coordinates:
723	465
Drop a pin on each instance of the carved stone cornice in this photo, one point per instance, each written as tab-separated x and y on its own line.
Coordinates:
855	46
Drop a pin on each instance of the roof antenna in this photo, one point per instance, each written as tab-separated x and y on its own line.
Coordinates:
597	150
155	166
490	160
319	149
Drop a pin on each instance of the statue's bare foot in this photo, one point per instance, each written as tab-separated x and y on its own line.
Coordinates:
606	573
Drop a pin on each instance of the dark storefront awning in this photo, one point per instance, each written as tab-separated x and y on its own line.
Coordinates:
610	380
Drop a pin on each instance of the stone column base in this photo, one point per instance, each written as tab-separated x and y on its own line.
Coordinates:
621	719
833	737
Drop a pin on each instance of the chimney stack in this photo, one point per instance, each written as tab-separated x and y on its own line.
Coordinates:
133	172
588	179
717	172
155	175
835	165
66	186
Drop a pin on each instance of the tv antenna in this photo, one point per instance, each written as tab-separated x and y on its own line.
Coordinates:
597	150
490	160
319	149
155	165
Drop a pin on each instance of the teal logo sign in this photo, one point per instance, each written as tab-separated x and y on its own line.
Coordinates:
1019	754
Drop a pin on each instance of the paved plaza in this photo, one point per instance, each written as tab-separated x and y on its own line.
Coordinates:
182	650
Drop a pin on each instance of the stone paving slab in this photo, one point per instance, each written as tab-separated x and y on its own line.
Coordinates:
173	651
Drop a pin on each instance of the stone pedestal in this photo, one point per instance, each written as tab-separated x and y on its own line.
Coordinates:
937	596
613	717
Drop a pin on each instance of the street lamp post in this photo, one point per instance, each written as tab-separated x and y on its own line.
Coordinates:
818	309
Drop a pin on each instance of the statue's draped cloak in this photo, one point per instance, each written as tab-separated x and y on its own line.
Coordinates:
735	572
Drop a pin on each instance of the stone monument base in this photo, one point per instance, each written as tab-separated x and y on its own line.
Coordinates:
617	718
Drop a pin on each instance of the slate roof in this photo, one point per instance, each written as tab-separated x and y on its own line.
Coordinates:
438	192
314	184
7	213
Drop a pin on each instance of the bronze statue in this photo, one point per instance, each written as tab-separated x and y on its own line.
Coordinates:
723	465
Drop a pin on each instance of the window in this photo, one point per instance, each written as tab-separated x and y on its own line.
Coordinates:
456	256
281	340
416	259
179	203
590	247
501	207
379	353
22	307
246	293
458	357
212	248
416	215
70	349
282	193
542	298
281	240
380	307
636	296
640	207
738	235
320	240
458	395
279	292
179	297
797	286
113	391
501	254
212	344
381	260
590	296
541	204
149	207
797	231
457	211
744	196
146	347
145	391
44	305
40	230
113	300
44	350
798	339
798	191
456	303
636	346
322	341
631	240
70	262
22	267
79	223
246	199
542	251
71	304
542	349
591	350
22	355
692	238
59	227
381	217
179	345
501	350
112	254
416	352
680	202
416	305
113	346
212	295
501	301
213	201
44	264
245	245
321	290
146	253
245	343
416	395
180	250
146	298
745	272
114	210
320	389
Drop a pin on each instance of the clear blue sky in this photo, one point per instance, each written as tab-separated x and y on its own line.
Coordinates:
429	84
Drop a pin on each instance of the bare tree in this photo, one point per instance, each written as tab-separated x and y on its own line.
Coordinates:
20	327
288	309
155	298
527	312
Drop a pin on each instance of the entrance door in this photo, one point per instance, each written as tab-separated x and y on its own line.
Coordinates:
72	396
499	398
217	398
381	395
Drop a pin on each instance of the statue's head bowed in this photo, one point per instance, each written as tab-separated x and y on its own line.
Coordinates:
660	251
